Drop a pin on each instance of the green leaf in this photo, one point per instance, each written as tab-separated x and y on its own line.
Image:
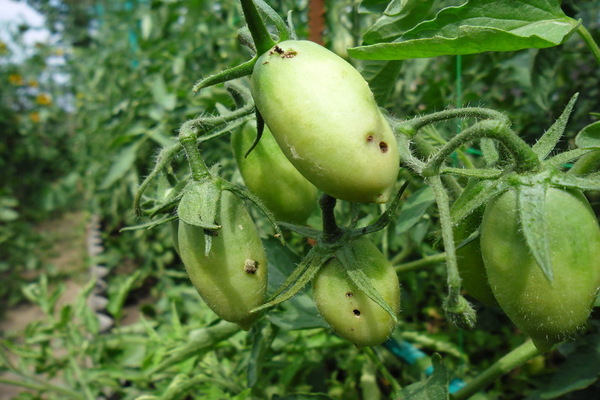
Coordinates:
580	370
589	182
123	162
399	16
478	26
548	141
589	136
414	208
379	74
261	337
475	194
532	217
161	94
434	388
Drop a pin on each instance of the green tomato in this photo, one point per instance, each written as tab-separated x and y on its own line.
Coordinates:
549	313
470	261
350	313
269	175
232	278
325	119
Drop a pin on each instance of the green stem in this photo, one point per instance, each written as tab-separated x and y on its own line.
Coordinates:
441	198
411	127
43	387
526	159
382	368
188	138
589	41
515	358
256	25
423	262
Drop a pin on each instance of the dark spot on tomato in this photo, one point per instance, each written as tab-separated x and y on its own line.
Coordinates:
356	312
278	50
250	266
266	62
289	54
349	294
383	147
370	138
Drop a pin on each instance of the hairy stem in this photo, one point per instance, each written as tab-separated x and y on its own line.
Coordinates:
411	127
526	159
590	42
420	263
331	230
515	358
188	138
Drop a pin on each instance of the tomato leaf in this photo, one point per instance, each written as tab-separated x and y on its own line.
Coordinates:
379	74
399	16
589	136
413	209
434	388
548	141
475	27
531	204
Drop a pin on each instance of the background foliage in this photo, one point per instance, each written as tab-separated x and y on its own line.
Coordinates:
82	117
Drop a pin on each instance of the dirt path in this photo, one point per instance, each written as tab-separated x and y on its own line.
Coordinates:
67	258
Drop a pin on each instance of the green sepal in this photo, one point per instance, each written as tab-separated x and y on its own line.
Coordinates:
244	193
199	204
229	74
475	194
589	136
531	202
301	230
304	273
587	164
587	182
260	128
548	141
283	31
348	260
148	225
482	173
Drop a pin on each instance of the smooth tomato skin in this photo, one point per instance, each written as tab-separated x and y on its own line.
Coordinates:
349	311
269	175
232	279
549	313
325	119
470	261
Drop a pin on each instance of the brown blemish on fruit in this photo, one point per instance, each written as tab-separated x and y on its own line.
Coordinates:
356	312
383	146
370	138
266	62
349	294
276	49
250	266
289	54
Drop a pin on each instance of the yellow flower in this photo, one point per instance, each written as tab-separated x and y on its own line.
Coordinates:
3	48
43	99
34	117
15	79
33	83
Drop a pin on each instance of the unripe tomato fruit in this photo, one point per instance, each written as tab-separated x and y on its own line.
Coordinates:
549	313
470	261
232	279
350	313
269	175
325	119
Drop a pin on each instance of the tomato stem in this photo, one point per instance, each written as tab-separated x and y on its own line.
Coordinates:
331	230
188	138
589	41
515	358
256	25
526	159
